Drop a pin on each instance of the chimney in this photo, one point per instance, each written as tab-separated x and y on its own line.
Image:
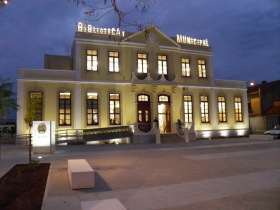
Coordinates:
263	82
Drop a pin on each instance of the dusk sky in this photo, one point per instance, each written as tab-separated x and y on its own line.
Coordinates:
244	34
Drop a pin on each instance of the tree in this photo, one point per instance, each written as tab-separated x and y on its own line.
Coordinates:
7	102
96	12
34	106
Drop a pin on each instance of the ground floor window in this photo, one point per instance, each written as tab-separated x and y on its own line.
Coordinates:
188	109
92	109
64	109
222	109
238	109
115	109
204	109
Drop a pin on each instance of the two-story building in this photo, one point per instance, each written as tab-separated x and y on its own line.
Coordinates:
115	78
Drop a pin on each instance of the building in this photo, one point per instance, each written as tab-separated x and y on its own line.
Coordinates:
264	106
115	78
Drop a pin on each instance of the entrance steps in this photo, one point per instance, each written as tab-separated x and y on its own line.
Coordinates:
168	138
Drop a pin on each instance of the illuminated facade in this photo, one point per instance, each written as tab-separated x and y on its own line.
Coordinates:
118	78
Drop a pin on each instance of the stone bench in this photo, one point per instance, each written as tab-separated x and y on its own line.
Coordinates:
110	204
80	173
261	137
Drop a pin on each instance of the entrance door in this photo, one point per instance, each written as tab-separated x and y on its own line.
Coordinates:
144	113
164	114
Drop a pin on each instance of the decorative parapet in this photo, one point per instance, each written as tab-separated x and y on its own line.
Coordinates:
155	79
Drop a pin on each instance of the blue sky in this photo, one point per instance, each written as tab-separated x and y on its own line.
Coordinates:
244	34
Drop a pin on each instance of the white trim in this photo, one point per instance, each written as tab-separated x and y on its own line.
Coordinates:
129	83
78	104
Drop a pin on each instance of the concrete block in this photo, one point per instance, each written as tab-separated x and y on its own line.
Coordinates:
81	175
112	204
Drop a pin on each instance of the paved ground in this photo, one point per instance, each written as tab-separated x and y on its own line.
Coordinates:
218	174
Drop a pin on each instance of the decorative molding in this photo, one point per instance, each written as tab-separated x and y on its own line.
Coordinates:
133	86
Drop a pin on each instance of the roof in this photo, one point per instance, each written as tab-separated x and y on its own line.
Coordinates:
259	87
273	110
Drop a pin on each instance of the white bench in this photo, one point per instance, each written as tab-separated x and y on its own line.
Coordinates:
110	204
80	173
261	137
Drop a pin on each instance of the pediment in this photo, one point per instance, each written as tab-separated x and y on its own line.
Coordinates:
152	36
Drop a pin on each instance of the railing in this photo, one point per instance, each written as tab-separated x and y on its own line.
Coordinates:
80	136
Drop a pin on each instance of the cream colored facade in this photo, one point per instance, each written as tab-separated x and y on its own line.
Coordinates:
167	81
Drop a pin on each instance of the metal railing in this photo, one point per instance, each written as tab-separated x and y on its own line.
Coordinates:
81	136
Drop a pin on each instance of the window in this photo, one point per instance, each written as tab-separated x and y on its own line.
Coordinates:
143	98
204	109
142	63
163	98
39	111
162	64
92	63
92	109
115	112
186	71
222	109
238	109
188	109
202	68
114	62
65	108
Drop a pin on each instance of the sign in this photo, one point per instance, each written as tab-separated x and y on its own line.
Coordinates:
188	40
84	27
43	137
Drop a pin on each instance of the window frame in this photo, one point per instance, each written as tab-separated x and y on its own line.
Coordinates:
97	65
142	63
189	105
200	68
114	62
204	110
184	67
162	64
65	109
90	101
112	121
222	110
238	111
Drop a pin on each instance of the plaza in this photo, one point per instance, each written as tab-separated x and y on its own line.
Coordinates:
225	173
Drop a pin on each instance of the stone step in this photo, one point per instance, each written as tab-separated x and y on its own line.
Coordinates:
170	138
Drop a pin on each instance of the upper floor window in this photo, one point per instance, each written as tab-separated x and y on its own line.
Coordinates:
186	71
115	109
222	109
142	63
238	109
202	68
114	62
64	108
37	95
92	109
162	64
92	63
204	109
188	108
